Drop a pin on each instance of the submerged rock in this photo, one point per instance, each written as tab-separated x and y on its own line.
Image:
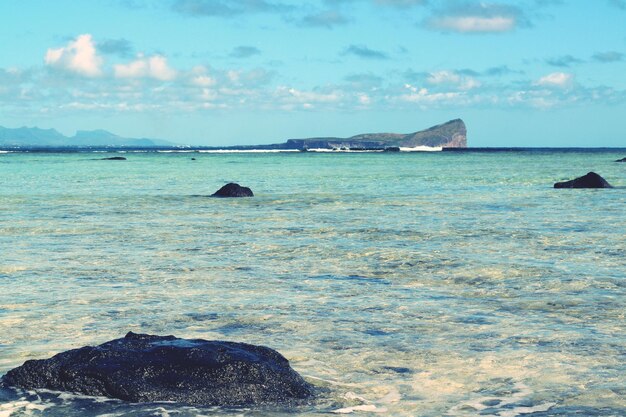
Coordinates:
621	160
147	368
233	190
591	180
114	158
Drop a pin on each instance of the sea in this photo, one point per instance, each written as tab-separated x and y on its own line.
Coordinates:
397	283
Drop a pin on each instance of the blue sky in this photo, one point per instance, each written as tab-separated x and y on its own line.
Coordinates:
218	72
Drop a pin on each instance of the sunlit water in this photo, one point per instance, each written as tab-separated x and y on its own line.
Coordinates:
429	284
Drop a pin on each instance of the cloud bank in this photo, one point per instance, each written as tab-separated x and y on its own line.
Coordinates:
109	83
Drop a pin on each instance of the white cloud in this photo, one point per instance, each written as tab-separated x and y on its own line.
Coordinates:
250	78
453	78
293	98
79	56
233	76
153	67
208	95
293	94
469	83
134	69
364	99
556	79
203	81
478	17
159	68
424	96
477	24
443	77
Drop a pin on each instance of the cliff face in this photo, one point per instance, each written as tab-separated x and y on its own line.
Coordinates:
452	134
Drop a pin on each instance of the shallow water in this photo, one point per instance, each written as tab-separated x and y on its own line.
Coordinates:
423	284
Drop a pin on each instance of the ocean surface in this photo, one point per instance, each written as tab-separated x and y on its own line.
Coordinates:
400	284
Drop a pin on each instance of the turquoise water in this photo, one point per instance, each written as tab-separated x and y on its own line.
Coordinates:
423	284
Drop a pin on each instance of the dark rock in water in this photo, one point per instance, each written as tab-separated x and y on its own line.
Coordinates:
193	159
392	149
233	190
147	368
621	160
114	158
591	180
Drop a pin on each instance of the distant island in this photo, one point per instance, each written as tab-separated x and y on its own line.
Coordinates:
452	134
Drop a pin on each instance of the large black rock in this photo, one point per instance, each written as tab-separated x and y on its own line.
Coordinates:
233	190
591	180
147	368
621	160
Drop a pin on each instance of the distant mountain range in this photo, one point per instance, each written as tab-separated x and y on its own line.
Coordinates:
35	137
452	134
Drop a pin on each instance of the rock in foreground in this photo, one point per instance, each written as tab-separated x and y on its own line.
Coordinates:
591	180
233	190
621	160
147	368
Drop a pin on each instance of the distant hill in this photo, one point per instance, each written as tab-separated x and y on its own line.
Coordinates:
452	134
35	137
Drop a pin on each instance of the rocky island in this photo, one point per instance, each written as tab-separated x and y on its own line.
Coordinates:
452	134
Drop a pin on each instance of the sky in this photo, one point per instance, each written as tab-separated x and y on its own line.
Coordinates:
220	72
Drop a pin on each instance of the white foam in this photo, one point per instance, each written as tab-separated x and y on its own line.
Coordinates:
506	405
402	149
365	407
331	382
10	269
247	150
521	410
422	149
338	150
161	412
393	396
352	396
22	405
